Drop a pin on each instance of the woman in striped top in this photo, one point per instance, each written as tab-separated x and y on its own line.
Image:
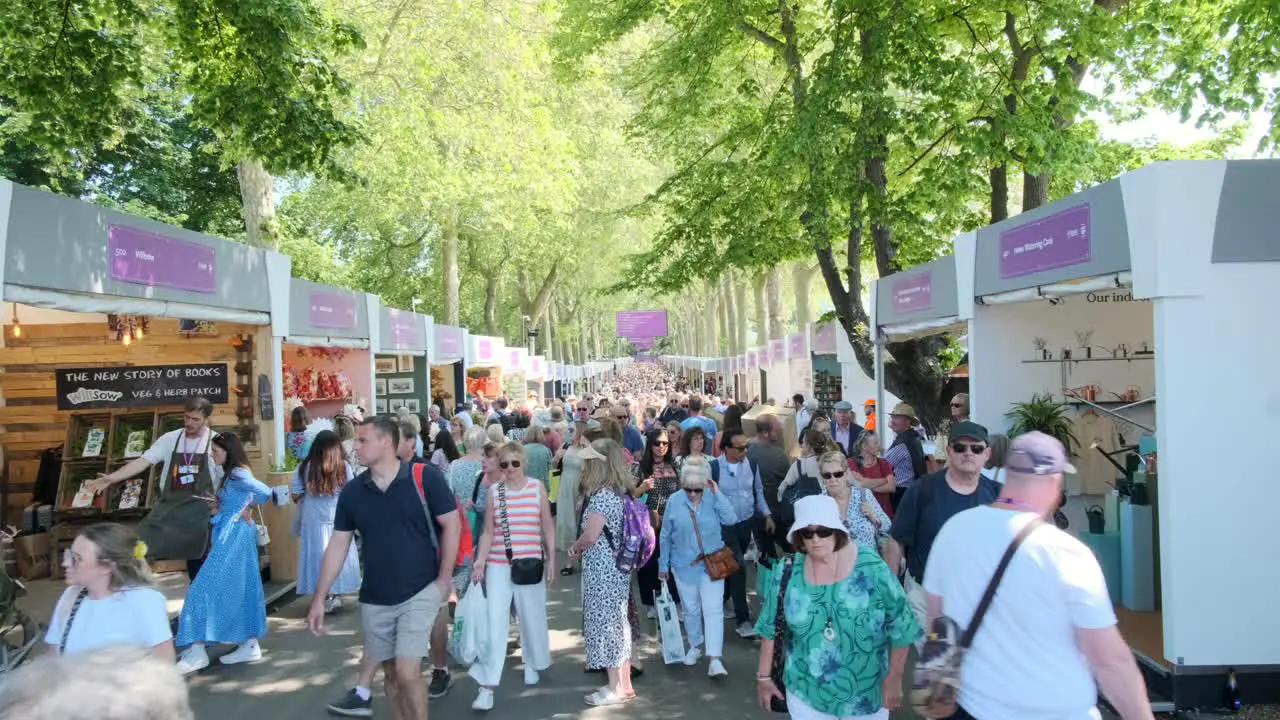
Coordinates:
517	526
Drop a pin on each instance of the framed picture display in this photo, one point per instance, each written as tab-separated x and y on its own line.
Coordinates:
400	386
412	405
395	404
384	365
380	386
406	363
380	406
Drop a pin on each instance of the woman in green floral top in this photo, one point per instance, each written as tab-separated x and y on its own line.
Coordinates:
848	624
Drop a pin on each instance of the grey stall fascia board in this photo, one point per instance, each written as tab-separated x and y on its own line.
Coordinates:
299	312
1248	213
944	295
60	243
1109	243
385	336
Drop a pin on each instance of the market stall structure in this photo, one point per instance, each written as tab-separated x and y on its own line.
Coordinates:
447	379
326	359
1112	298
112	322
401	374
484	366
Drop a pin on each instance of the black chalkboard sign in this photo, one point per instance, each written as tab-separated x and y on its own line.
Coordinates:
139	385
266	405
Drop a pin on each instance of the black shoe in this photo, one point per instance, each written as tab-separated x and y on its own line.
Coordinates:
594	671
566	572
441	681
636	671
352	706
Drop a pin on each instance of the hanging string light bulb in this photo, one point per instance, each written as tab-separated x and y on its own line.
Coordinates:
17	324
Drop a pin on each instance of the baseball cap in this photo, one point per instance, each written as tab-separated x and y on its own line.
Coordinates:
968	429
1036	453
843	405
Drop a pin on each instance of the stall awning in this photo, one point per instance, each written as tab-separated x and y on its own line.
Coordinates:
333	342
924	328
1110	281
116	305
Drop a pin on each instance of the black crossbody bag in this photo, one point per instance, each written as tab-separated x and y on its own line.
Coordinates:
524	571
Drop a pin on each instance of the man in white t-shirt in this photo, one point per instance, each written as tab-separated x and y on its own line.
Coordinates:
1049	640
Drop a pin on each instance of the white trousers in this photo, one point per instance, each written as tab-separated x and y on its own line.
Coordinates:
702	605
531	613
800	711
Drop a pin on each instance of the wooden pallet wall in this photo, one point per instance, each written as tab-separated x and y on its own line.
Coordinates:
29	419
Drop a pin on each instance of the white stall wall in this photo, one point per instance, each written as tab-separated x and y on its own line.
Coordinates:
1219	348
1002	338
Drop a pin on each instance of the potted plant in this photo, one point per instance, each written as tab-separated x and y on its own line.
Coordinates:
1045	414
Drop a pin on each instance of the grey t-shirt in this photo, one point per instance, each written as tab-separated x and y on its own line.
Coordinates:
918	519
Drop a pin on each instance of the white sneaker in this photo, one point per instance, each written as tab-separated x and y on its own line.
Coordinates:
651	613
248	652
693	656
530	676
716	669
331	603
193	659
483	701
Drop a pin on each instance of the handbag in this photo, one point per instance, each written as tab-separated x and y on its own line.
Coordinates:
780	639
721	563
264	536
524	571
935	684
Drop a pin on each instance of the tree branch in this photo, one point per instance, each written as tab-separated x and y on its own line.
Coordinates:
756	33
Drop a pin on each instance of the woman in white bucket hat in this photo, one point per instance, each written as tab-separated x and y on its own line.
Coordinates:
847	617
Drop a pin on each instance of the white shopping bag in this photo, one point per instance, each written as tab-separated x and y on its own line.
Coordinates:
470	626
669	626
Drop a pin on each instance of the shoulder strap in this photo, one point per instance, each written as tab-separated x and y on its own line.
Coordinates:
702	552
71	616
779	615
426	509
502	511
475	492
989	595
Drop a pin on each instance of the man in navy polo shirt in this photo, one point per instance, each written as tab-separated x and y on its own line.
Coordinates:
406	580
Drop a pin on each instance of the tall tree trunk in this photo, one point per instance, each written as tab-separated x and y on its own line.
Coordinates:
582	336
761	315
258	204
449	253
548	340
999	192
715	320
491	304
721	304
731	311
773	296
740	301
802	280
1035	190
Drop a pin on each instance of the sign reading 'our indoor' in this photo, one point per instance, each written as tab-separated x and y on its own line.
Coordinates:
145	258
140	385
1059	240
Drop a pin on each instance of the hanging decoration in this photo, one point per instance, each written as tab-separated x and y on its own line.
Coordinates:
128	328
17	324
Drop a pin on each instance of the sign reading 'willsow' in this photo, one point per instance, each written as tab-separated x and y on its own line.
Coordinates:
140	385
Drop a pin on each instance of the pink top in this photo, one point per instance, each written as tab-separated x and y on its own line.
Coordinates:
524	518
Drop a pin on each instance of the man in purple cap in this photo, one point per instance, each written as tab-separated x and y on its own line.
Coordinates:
1049	640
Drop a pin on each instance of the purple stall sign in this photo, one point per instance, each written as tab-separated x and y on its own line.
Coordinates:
406	330
913	292
331	309
765	360
824	340
1060	240
145	258
753	359
642	343
642	324
484	349
448	341
778	350
795	345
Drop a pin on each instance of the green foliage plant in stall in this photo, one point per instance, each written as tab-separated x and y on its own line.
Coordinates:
1046	415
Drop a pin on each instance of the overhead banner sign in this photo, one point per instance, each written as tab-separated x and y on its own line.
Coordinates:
140	385
1059	240
329	309
642	324
913	292
145	258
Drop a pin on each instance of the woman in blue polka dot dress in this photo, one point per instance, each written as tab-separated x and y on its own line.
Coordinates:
225	603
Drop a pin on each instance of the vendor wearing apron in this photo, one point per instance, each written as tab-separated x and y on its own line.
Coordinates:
177	528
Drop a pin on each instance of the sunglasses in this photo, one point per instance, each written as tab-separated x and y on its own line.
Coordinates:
509	464
695	491
661	443
833	475
810	532
974	448
739	448
959	405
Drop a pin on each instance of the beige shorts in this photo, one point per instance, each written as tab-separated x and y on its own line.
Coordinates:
400	631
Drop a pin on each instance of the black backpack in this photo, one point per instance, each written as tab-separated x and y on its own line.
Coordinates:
803	487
